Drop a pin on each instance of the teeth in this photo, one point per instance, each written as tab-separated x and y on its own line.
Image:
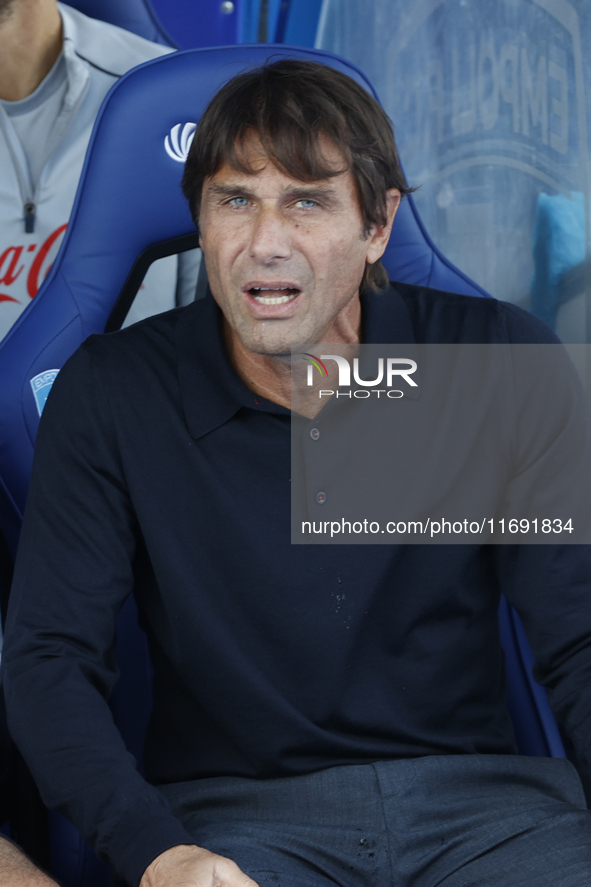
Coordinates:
274	300
258	291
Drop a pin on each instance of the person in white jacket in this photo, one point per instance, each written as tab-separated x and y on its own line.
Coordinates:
56	66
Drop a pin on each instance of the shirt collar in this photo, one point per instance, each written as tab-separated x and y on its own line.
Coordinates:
76	70
211	390
385	318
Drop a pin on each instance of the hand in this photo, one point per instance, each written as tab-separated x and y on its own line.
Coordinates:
187	865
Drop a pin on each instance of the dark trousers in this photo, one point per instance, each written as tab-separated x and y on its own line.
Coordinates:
452	820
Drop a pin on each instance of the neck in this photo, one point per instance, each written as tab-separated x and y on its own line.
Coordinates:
270	375
30	42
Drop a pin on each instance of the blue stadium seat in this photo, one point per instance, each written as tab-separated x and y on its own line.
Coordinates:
198	23
137	16
182	24
134	164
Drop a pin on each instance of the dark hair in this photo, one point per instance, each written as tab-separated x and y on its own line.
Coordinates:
289	104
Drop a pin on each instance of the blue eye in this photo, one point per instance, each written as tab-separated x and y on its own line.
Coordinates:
306	204
239	201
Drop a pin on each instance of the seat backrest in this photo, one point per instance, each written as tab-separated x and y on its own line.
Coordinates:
128	204
182	24
198	23
137	16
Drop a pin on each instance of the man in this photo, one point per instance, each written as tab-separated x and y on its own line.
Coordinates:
56	66
322	715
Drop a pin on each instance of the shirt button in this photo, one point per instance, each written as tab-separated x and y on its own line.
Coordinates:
314	434
321	498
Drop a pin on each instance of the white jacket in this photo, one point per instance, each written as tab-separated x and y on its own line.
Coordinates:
96	54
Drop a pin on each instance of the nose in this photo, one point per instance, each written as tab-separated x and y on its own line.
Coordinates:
270	239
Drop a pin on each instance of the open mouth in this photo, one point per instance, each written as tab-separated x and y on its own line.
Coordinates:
273	295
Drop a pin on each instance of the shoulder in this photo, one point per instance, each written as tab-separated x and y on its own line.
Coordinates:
106	46
113	376
439	316
110	366
113	388
150	342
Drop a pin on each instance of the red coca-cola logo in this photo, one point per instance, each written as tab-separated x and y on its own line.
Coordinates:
13	262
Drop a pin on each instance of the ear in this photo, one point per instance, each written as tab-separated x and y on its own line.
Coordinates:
380	234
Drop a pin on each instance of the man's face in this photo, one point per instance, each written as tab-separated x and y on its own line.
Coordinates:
284	258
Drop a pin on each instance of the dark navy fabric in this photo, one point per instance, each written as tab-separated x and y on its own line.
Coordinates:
477	821
157	466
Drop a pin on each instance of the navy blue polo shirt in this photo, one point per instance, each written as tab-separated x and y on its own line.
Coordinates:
158	471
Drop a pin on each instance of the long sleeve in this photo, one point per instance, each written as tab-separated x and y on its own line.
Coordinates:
74	570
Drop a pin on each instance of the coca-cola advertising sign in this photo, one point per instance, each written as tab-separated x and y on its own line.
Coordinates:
27	264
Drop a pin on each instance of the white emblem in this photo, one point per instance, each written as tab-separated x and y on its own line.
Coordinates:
178	142
41	385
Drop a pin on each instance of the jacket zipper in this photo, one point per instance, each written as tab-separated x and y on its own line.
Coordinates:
29	217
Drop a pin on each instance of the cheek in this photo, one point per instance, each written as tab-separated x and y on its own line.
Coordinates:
339	257
219	249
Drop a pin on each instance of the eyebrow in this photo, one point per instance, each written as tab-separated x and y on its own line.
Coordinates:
297	191
314	191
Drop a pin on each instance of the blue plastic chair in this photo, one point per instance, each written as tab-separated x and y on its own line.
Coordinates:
182	24
134	165
137	16
198	23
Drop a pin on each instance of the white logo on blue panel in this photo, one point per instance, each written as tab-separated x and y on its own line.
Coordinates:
178	142
41	385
